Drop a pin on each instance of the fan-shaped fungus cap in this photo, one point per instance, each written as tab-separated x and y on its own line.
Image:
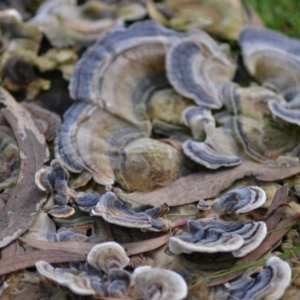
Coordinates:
54	177
107	256
145	43
61	211
203	205
160	284
112	210
253	234
240	200
113	149
250	101
87	202
282	111
199	239
269	284
80	285
211	235
209	155
198	76
271	57
119	282
262	141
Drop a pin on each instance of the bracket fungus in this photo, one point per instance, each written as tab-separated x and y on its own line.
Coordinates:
119	152
261	141
55	178
218	17
145	43
159	284
212	235
87	202
250	101
107	256
203	205
112	210
269	284
209	155
64	23
198	73
80	285
272	58
240	200
284	112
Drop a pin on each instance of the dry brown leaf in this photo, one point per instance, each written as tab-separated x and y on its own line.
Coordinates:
9	250
26	260
83	248
80	248
145	246
208	184
26	199
275	211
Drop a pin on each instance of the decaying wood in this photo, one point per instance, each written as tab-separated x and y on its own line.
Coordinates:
208	184
26	199
26	260
83	248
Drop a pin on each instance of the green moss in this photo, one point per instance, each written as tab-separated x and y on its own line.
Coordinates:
281	15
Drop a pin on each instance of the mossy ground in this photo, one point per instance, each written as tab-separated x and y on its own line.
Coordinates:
280	15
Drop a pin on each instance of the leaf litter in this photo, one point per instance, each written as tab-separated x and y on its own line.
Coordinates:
66	241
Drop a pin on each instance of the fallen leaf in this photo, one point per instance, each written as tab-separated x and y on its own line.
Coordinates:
208	184
26	199
9	250
275	210
145	246
83	248
26	260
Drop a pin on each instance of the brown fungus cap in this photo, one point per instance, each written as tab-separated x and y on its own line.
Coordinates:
107	256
